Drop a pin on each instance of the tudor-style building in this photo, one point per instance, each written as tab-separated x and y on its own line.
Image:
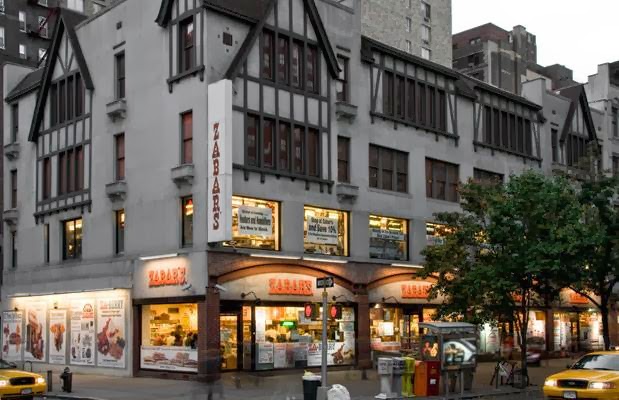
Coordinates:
187	201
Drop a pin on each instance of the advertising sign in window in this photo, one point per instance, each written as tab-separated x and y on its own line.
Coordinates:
326	231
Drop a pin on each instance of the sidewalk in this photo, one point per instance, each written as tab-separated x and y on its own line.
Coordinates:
283	386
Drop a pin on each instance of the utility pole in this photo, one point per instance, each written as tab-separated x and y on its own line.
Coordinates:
324	283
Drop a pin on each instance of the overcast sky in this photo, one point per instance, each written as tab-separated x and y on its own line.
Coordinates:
577	34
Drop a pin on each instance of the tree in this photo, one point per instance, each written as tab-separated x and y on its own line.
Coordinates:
508	247
600	246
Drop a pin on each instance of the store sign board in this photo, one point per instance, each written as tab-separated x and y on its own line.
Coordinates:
12	335
173	276
577	298
296	287
415	290
220	161
386	234
255	221
322	230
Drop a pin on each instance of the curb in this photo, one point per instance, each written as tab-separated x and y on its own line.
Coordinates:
69	397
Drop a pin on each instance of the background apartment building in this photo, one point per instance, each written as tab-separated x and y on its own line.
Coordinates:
418	27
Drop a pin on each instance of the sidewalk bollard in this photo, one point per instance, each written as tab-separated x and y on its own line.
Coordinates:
50	379
398	370
385	369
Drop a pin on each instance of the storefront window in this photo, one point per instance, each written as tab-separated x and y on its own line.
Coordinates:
396	329
565	332
435	233
326	231
388	238
286	339
255	223
170	337
591	331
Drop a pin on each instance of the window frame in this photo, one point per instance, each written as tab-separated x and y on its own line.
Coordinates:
2	37
394	169
23	55
186	156
485	177
119	157
77	253
120	75
14	122
425	50
283	59
405	241
342	79
23	22
187	221
46	181
425	29
46	243
312	75
345	237
186	49
432	165
14	186
119	231
240	201
343	164
614	116
43	27
267	71
13	249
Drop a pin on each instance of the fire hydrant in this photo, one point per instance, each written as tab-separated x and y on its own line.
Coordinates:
67	380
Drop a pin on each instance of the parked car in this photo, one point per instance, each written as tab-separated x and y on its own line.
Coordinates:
594	376
15	383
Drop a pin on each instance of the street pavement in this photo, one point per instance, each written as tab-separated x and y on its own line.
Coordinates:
278	386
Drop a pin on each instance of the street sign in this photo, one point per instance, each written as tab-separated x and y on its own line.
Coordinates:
324	283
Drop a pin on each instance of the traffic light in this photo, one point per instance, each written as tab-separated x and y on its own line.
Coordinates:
335	311
311	311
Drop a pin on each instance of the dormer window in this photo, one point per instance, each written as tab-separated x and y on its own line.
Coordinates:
187	45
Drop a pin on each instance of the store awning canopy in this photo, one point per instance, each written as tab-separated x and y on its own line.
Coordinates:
447	328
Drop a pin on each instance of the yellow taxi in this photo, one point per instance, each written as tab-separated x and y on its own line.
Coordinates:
16	384
594	376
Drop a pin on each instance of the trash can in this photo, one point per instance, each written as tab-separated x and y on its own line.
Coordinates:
67	380
311	383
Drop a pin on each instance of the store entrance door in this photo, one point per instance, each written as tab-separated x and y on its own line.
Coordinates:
229	341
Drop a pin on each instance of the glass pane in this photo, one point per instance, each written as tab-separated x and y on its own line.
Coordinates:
282	65
267	141
255	223
284	146
252	140
297	51
326	231
388	238
229	341
313	152
298	149
187	219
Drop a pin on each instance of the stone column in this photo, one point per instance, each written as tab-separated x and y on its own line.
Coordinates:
364	359
208	339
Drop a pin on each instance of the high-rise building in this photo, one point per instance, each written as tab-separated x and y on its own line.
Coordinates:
495	55
419	27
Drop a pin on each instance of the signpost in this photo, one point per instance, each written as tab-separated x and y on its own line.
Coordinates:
324	283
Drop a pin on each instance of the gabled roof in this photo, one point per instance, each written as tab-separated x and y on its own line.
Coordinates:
251	10
67	20
30	82
254	33
577	96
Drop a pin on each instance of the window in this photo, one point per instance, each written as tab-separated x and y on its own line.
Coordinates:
343	159
79	96
486	177
313	152
63	170
72	239
66	98
268	143
119	150
187	221
42	54
46	243
507	131
186	45
435	233
426	11
119	242
43	29
14	188
615	122
79	163
284	147
283	58
388	169
255	223
22	52
388	93
299	149
1	6
441	180
425	33
77	5
71	170
409	46
187	138
14	249
70	97
615	165
409	24
47	178
388	238
426	53
253	127
341	86
326	231
22	21
555	144
267	54
399	97
311	69
120	75
14	122
169	327
297	64
2	43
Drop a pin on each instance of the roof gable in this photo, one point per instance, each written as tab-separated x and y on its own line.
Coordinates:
315	20
67	20
578	98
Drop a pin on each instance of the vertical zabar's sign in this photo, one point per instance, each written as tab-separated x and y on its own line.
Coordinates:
219	199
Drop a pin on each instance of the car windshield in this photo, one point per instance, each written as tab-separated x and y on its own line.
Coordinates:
602	362
6	365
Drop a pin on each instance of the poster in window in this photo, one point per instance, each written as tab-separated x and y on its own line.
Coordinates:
386	234
255	221
111	333
338	353
12	335
82	351
265	353
280	359
321	230
36	326
57	338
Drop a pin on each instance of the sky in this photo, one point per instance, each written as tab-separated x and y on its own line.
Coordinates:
577	34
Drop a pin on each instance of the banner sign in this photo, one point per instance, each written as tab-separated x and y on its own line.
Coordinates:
36	327
386	234
82	351
220	161
322	230
255	221
12	336
57	337
111	334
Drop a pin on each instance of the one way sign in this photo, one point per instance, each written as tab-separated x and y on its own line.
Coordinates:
326	282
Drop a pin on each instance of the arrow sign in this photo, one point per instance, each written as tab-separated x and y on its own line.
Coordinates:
326	282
